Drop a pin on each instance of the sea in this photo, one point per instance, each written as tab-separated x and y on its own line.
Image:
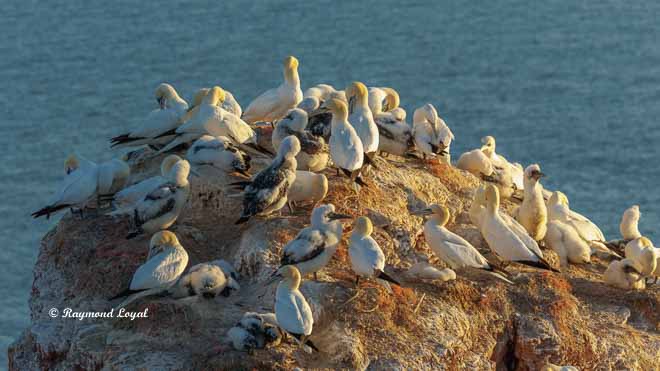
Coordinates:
571	85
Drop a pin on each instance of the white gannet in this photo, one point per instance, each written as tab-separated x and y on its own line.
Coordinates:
320	91
205	279
624	274
567	243
361	118
275	103
643	254
131	195
267	192
229	104
367	259
629	223
383	100
220	153
319	121
291	309
308	186
309	104
158	122
314	246
314	152
255	331
533	214
425	271
502	239
476	163
77	188
431	135
165	263
160	208
346	148
500	163
112	177
452	248
209	119
395	133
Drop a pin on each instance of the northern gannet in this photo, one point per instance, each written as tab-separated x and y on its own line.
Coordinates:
320	91
160	208
643	254
209	119
319	121
558	208
314	152
267	192
395	133
308	187
425	271
255	331
229	104
629	226
220	153
206	280
502	240
159	121
476	163
130	196
275	103
346	148
113	176
165	263
367	259
533	214
291	309
426	131
567	243
452	248
77	188
361	118
314	246
501	163
624	274
383	100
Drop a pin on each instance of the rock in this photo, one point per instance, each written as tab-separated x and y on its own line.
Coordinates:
471	322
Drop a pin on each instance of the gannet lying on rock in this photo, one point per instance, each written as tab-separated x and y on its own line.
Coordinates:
219	152
307	187
426	131
207	280
77	188
273	104
476	163
624	274
643	254
501	163
292	312
130	196
165	263
425	271
567	243
367	259
314	152
314	246
158	122
452	248
160	208
533	214
503	240
255	331
267	192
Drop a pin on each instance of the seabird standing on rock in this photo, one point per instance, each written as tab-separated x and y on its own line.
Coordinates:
395	135
567	243
160	208
165	263
367	259
220	153
314	246
629	226
503	241
308	186
291	309
346	148
533	213
78	187
314	152
361	118
267	192
275	103
501	163
129	196
159	121
113	176
452	248
426	131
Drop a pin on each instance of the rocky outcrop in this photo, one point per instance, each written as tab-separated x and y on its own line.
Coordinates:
473	322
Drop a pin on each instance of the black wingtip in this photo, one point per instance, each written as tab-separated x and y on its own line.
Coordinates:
542	264
242	220
311	345
361	182
384	276
46	211
133	234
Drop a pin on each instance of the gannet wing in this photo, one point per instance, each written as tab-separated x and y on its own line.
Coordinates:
306	246
161	270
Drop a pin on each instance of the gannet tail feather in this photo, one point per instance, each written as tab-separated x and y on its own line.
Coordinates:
258	148
500	274
137	296
384	276
542	263
122	139
48	210
242	220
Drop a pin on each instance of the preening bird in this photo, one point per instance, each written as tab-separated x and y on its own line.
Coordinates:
361	118
131	195
314	152
220	153
367	259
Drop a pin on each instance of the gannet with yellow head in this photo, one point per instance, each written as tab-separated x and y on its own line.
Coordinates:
361	118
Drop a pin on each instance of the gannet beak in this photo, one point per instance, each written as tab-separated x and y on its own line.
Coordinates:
422	212
336	216
189	108
161	102
537	175
351	103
